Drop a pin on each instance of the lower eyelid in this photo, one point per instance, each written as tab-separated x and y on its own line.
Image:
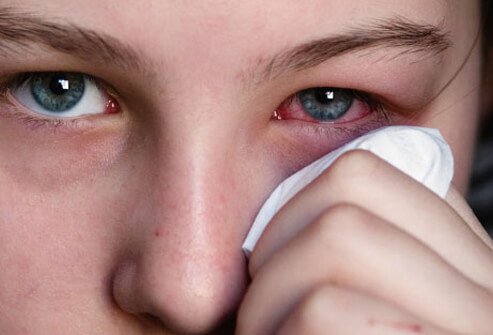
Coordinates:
348	129
11	109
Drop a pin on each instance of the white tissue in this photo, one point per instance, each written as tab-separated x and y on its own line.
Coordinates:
422	153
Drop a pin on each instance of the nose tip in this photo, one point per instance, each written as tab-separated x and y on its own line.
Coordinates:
189	292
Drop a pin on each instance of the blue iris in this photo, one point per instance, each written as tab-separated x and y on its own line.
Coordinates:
326	104
57	92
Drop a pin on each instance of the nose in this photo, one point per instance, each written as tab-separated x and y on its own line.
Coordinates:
183	262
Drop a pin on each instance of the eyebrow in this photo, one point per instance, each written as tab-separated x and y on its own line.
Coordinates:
19	31
395	33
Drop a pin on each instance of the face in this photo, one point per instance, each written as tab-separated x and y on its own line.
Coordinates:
146	134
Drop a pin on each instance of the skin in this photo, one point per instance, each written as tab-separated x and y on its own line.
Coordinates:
133	223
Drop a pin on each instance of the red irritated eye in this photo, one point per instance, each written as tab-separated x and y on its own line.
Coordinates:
325	105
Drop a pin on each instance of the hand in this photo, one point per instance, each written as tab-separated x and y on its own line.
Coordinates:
365	249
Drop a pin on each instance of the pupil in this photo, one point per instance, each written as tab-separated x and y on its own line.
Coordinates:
322	96
59	85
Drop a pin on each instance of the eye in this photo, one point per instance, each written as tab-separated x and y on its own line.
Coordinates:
61	94
326	104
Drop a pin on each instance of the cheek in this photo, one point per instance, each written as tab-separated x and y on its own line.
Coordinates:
55	224
53	254
52	230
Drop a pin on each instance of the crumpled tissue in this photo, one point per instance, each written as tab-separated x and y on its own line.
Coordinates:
422	153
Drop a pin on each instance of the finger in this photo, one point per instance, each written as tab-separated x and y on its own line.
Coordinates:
350	246
363	179
341	311
457	202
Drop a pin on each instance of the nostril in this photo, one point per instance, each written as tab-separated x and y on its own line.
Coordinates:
127	296
152	319
124	289
159	298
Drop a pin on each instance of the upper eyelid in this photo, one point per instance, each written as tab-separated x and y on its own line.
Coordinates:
19	79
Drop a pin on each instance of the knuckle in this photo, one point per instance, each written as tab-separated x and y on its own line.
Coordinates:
321	310
355	162
313	314
348	172
339	224
344	231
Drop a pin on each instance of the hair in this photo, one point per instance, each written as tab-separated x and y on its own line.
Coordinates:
487	27
487	46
